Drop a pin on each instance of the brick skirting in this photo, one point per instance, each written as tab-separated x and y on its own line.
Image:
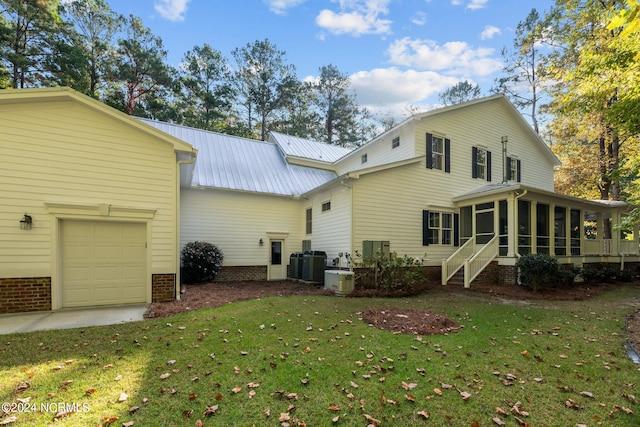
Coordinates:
25	294
242	272
163	287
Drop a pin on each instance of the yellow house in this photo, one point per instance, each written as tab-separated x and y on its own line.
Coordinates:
89	204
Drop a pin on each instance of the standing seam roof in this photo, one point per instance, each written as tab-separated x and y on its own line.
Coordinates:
234	163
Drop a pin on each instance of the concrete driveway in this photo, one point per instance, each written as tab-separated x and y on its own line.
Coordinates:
70	318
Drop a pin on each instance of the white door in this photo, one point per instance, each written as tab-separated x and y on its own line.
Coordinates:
277	263
103	263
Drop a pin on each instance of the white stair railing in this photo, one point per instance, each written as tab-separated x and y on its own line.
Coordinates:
451	265
474	266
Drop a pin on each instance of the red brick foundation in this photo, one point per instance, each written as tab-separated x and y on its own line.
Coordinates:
508	275
242	272
25	294
163	287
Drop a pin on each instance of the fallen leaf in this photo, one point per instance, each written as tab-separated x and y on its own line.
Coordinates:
409	386
236	389
210	411
165	376
284	416
465	395
424	414
133	409
123	397
498	421
128	423
9	420
335	419
90	391
437	391
23	386
334	407
587	394
372	420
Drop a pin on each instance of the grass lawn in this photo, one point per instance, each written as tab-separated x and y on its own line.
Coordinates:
312	361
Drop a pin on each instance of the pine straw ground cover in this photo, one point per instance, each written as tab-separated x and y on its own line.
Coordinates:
314	360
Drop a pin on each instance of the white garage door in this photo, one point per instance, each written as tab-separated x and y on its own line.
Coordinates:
103	263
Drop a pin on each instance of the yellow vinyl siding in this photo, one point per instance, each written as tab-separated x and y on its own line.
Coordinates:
485	124
331	229
69	153
388	205
235	222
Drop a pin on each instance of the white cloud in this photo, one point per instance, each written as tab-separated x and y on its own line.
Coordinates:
356	17
391	86
172	10
477	4
489	32
281	7
420	18
473	4
454	57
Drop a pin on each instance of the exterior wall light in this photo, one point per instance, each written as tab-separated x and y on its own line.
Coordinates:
26	222
261	242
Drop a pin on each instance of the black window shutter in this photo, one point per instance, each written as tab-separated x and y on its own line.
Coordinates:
425	228
456	230
474	162
518	170
488	165
509	177
429	151
447	155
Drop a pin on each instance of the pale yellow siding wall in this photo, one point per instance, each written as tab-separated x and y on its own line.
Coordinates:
65	152
331	231
388	205
235	222
484	125
380	152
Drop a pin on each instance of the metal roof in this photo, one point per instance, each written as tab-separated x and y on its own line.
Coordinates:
300	147
234	163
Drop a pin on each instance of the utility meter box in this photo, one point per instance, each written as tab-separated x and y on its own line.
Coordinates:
339	281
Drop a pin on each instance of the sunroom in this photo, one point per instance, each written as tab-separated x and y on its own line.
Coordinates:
505	221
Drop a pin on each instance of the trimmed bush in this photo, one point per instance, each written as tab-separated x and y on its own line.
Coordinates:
392	274
201	262
540	270
606	275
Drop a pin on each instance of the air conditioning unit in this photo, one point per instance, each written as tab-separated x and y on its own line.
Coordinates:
339	281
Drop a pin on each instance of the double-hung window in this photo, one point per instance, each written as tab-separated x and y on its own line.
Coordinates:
438	153
439	228
481	163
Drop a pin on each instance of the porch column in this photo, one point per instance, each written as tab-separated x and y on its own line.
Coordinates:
567	231
512	225
552	229
615	234
534	226
600	231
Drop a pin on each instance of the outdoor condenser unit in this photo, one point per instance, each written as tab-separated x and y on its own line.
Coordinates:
339	281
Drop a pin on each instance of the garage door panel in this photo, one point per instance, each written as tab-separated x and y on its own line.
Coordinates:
103	263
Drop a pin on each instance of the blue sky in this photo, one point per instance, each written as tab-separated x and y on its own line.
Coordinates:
396	52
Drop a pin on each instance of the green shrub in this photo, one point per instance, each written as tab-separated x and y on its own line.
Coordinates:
201	262
540	270
606	275
390	273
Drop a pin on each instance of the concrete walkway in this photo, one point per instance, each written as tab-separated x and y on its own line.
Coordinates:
70	318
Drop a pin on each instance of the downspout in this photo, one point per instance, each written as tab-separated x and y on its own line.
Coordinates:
179	163
350	258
